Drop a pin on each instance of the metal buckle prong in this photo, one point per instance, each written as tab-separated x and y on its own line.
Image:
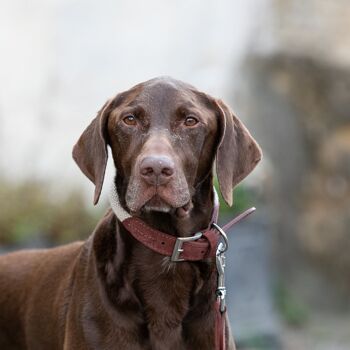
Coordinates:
178	246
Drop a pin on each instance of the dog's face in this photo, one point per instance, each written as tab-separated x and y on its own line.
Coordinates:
164	135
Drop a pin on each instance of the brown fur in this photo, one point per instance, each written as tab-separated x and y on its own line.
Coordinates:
111	292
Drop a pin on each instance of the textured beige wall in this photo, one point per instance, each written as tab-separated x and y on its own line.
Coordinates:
314	28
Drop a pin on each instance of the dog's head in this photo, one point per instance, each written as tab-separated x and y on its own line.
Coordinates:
164	136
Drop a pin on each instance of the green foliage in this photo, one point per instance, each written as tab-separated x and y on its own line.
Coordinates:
242	199
28	210
260	342
293	311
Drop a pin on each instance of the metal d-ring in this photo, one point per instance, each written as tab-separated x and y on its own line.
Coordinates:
223	235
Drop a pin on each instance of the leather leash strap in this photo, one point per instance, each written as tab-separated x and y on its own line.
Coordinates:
220	327
220	316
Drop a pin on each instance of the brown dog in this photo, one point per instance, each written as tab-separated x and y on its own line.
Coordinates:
112	292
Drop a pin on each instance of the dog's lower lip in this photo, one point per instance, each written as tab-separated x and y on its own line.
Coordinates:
156	203
184	210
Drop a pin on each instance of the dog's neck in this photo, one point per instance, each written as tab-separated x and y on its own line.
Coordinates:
205	200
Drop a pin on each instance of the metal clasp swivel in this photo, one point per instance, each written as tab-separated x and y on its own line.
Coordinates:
220	266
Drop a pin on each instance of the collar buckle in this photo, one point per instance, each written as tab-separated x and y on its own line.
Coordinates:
175	257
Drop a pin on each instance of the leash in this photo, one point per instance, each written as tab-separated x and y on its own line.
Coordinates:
220	304
209	243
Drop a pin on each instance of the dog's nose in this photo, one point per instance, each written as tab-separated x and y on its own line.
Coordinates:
157	170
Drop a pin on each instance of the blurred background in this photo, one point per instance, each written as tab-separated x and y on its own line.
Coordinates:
284	67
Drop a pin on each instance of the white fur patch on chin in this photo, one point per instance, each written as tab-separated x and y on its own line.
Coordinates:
163	209
118	210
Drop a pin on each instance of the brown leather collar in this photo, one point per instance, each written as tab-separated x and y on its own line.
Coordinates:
201	246
198	247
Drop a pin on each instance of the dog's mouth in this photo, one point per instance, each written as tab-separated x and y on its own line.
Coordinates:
172	197
159	200
156	203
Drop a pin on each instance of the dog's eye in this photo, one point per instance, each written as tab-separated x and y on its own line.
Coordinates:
130	120
191	121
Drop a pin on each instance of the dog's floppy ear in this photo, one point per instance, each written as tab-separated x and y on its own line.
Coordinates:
237	153
90	152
